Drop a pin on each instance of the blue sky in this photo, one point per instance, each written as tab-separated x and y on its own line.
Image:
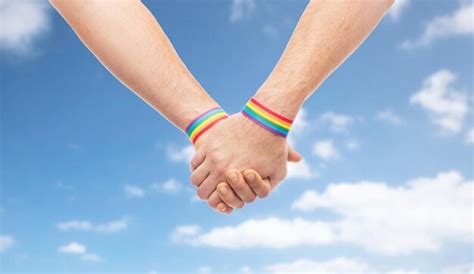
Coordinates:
94	180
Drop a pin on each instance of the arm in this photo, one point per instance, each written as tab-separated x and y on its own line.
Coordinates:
128	40
327	33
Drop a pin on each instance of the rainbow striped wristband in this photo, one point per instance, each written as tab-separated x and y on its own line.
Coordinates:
266	118
204	122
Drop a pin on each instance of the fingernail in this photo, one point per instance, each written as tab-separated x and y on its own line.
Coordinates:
250	176
232	176
223	190
221	207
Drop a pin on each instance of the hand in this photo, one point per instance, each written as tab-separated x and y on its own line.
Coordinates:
238	143
233	199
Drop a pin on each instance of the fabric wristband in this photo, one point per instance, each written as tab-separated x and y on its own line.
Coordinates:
204	122
266	118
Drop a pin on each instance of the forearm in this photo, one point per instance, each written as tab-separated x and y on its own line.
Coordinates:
128	40
327	33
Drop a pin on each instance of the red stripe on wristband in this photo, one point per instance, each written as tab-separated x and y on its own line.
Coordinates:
270	111
194	140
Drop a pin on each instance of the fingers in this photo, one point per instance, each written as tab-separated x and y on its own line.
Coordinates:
208	186
197	160
260	186
239	186
216	202
199	175
293	155
228	196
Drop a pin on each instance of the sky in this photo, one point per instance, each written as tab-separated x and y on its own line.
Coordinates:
93	180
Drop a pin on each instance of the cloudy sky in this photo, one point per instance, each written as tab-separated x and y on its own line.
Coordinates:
94	180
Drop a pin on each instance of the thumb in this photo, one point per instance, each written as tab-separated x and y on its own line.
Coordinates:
293	156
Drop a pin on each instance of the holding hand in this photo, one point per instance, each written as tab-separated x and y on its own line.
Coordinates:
251	139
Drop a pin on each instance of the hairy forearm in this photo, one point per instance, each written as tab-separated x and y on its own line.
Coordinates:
128	40
327	33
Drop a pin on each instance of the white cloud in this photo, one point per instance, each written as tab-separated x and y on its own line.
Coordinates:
337	122
325	150
397	8
6	242
170	186
353	145
338	265
246	270
467	268
184	231
204	269
80	250
389	116
307	202
22	22
421	215
85	225
75	225
301	170
240	9
134	191
73	248
458	23
306	266
112	226
446	105
418	216
470	136
184	154
270	232
403	271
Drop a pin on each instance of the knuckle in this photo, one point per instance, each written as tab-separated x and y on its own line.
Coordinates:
220	171
216	157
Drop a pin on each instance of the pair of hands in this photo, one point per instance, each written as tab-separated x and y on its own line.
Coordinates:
236	161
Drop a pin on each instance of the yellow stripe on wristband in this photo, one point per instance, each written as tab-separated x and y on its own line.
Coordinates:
204	122
267	116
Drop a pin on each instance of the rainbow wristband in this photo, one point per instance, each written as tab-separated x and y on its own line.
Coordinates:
266	118
204	122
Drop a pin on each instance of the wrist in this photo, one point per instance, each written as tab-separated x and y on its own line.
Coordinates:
279	101
267	118
203	122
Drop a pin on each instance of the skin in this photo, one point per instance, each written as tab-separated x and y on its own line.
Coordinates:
327	33
223	148
145	61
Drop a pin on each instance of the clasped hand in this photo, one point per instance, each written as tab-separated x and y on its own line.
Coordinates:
236	161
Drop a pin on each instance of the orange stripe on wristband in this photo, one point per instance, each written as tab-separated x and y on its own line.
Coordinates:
267	118
204	122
